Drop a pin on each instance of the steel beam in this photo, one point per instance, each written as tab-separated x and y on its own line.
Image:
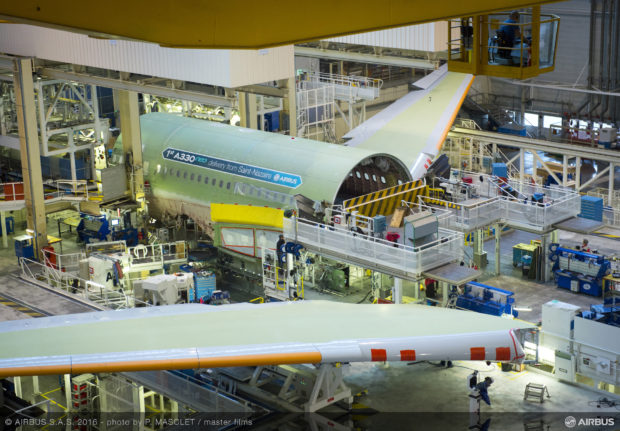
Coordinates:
571	150
30	151
240	24
359	57
119	84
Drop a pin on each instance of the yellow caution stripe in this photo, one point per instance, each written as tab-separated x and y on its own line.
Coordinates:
20	307
385	201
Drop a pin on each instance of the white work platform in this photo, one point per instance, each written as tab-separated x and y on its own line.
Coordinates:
398	260
493	205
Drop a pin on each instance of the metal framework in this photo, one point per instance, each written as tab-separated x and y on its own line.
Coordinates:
571	156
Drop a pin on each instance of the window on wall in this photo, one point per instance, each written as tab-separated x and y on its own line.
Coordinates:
228	186
185	175
549	120
171	172
199	178
221	183
213	182
207	180
191	177
531	119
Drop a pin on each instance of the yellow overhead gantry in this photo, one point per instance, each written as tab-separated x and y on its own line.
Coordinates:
242	24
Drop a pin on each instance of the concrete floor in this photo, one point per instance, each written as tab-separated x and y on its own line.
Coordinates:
421	387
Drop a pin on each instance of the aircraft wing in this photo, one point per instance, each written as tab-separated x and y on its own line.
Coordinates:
191	336
415	126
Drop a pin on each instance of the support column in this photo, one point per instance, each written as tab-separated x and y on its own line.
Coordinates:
546	240
290	105
132	143
68	401
5	233
498	231
445	291
30	152
577	173
564	170
610	192
480	256
72	161
247	110
397	291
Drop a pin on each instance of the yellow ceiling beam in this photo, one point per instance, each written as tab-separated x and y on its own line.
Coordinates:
247	24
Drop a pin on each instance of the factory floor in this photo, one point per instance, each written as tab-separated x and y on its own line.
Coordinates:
423	387
530	294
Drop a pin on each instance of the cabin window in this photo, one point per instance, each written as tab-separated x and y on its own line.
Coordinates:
158	168
374	178
366	176
213	182
399	182
221	183
165	170
191	177
199	178
357	174
185	175
383	179
171	171
228	186
207	180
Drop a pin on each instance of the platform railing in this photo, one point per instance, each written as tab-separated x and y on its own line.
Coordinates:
72	284
611	217
67	190
375	251
157	253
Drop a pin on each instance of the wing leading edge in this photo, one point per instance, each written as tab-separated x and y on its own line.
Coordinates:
200	336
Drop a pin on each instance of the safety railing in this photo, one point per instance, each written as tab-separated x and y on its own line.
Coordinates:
105	247
72	284
145	255
346	87
611	217
374	252
516	209
63	190
69	263
196	394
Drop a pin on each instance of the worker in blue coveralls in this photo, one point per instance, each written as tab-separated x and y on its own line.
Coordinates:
508	33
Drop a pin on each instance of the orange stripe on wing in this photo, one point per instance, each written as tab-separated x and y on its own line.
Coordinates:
166	364
454	114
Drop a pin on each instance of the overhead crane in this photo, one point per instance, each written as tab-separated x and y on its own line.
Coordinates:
240	25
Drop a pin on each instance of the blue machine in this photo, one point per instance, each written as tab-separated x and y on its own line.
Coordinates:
499	170
487	299
10	225
130	236
608	312
92	227
579	271
204	289
591	208
24	247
